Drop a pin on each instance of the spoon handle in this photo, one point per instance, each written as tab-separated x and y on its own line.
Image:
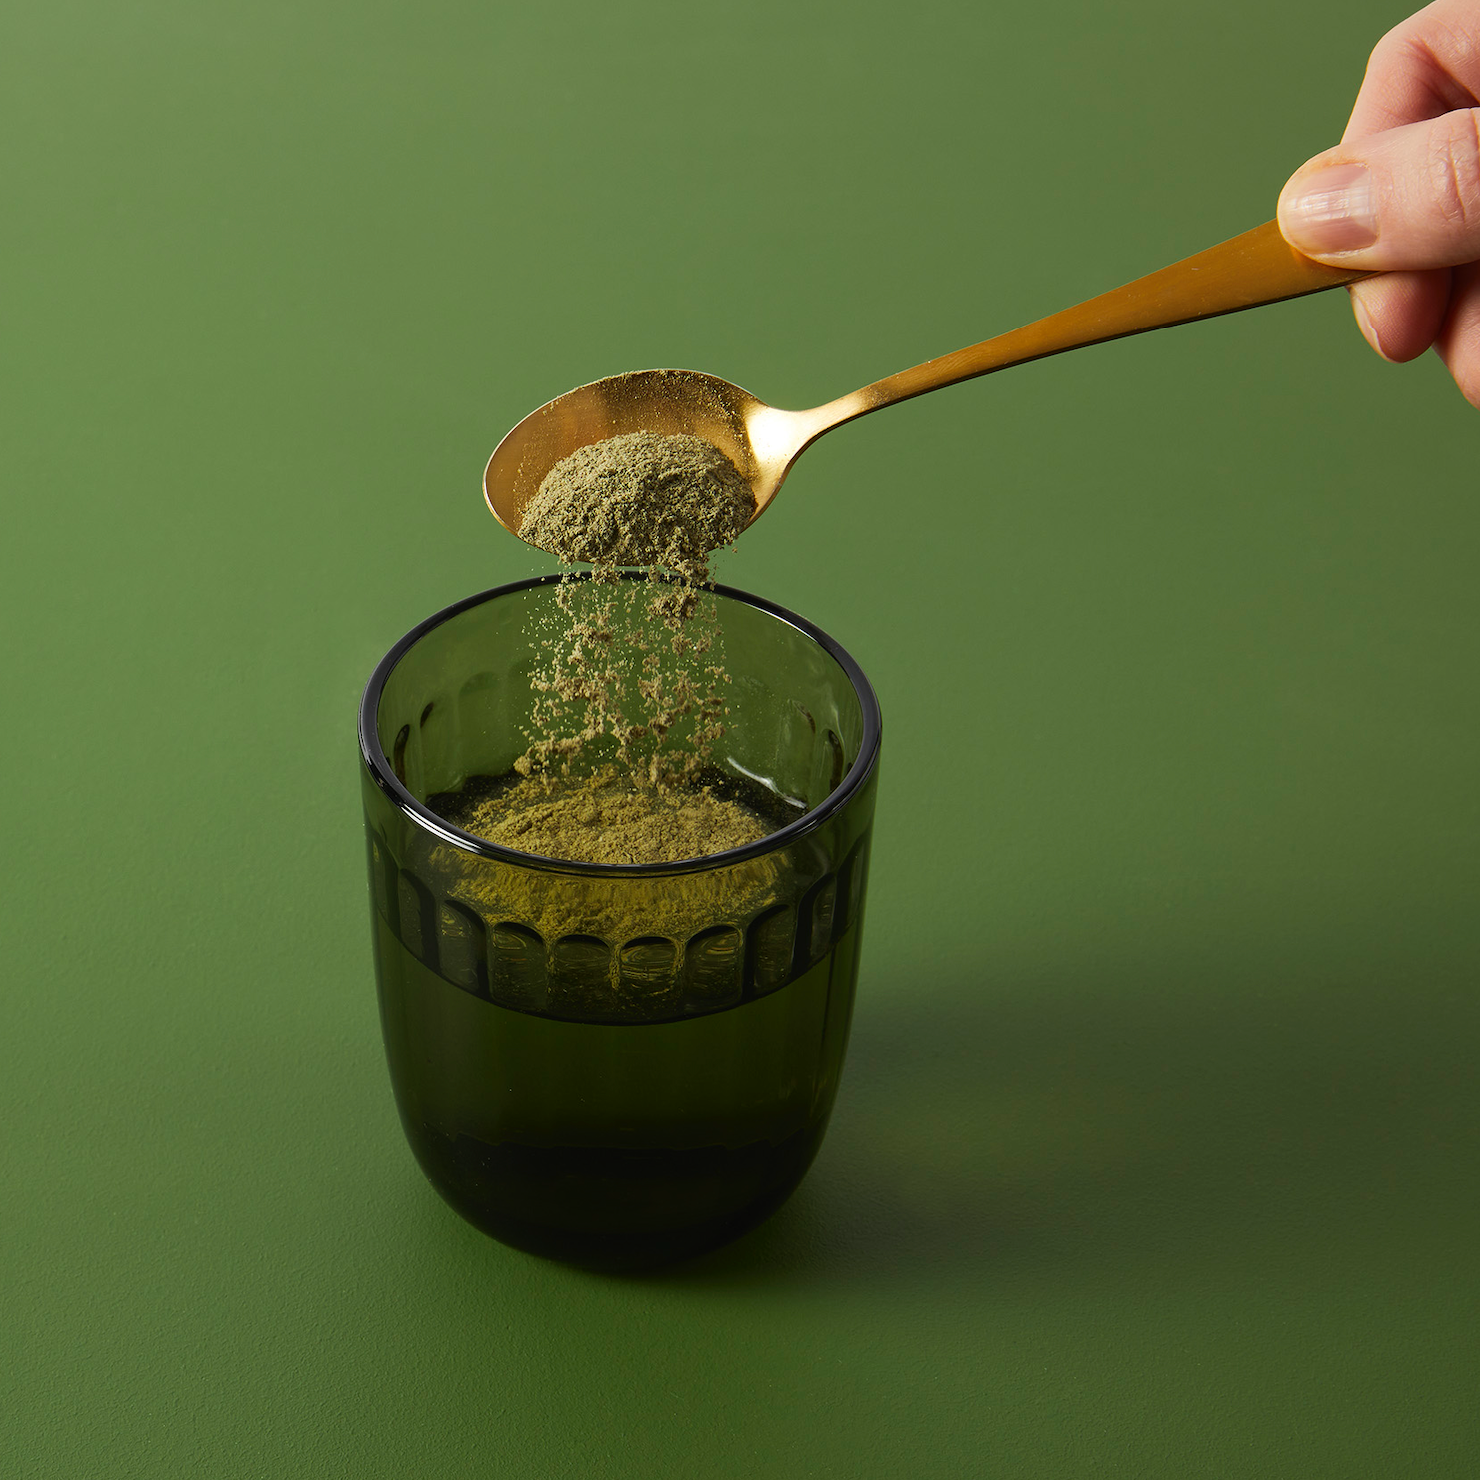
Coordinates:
1247	271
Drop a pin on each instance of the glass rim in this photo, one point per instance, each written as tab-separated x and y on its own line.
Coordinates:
372	753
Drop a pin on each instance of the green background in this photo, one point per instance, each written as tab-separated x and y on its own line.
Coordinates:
1156	1154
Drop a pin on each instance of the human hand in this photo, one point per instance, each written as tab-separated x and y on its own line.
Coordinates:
1401	193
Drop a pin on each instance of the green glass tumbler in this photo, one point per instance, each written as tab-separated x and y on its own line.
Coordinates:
615	1065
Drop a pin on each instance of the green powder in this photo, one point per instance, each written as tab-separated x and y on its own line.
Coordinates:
633	673
629	679
606	817
640	499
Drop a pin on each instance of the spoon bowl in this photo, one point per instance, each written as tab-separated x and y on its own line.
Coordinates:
764	441
759	439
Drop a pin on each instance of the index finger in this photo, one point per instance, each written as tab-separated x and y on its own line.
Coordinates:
1427	66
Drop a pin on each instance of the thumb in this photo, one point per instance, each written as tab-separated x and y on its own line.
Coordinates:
1407	198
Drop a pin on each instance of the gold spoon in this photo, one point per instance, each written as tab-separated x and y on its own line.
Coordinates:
763	441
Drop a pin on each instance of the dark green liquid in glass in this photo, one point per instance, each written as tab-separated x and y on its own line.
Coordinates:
615	1145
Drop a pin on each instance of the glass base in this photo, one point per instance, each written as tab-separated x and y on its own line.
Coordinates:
614	1146
611	1208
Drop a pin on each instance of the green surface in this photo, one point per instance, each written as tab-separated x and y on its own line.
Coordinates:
1156	1152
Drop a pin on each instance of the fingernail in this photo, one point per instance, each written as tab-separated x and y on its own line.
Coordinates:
1331	211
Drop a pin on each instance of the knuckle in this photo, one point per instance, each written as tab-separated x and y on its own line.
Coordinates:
1397	40
1405	45
1454	168
1389	55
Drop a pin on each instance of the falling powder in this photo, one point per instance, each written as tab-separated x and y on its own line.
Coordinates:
629	680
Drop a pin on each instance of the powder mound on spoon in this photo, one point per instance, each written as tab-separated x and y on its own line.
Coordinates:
641	499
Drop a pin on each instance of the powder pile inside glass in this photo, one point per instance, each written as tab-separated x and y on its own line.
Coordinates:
604	817
629	680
